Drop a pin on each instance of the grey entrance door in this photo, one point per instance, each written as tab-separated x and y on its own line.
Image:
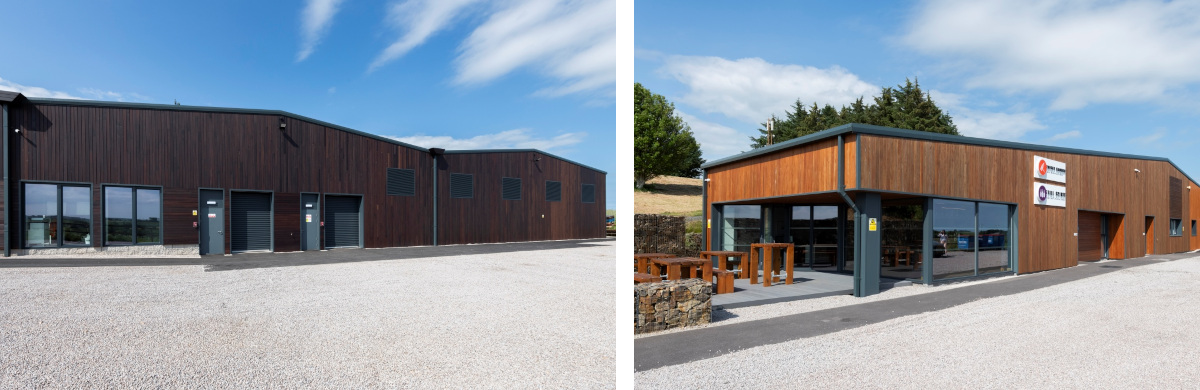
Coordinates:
212	222
310	225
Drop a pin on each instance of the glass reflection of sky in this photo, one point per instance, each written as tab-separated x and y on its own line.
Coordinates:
960	215
118	202
741	212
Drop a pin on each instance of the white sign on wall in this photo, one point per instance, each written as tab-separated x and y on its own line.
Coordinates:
1049	195
1047	169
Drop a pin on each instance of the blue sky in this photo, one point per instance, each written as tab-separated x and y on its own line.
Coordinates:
1102	75
457	74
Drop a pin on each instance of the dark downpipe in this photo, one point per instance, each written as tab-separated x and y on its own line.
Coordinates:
7	226
704	206
435	152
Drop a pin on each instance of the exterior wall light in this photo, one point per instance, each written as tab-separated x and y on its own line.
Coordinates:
1137	170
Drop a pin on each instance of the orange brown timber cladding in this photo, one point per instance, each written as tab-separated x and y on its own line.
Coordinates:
1046	234
1089	236
489	218
798	170
185	150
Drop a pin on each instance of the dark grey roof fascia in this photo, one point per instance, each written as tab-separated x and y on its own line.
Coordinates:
9	96
474	151
924	135
172	107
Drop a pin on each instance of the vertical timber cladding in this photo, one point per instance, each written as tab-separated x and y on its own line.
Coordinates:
185	149
487	217
1107	184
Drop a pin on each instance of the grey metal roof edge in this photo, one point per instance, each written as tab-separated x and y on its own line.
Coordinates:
172	107
924	135
472	151
10	96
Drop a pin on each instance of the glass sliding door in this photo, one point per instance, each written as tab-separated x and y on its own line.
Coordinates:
41	215
901	238
824	248
77	215
801	234
954	238
741	226
993	238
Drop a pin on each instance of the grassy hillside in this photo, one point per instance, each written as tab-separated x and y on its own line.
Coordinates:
669	195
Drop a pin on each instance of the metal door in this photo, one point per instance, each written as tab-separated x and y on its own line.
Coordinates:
310	226
250	221
342	221
212	222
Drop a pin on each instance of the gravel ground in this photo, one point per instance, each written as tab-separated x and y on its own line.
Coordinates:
510	320
1133	328
722	317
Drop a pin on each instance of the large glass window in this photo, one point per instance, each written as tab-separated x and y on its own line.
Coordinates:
954	238
742	226
56	215
121	205
900	238
825	240
993	238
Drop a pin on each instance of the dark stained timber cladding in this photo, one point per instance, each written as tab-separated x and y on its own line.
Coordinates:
1176	197
589	193
512	188
462	186
553	191
401	182
186	150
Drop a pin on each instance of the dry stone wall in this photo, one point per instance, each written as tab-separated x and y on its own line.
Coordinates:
671	304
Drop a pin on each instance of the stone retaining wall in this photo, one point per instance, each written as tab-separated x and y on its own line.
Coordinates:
671	304
653	233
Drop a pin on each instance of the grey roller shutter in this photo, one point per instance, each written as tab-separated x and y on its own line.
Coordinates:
250	221
553	191
342	221
512	188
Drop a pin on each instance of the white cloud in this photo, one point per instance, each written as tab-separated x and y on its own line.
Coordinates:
314	24
34	91
985	124
510	139
1080	51
573	43
1067	135
716	141
419	19
117	96
751	89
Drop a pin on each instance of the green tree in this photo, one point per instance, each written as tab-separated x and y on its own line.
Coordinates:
662	142
905	106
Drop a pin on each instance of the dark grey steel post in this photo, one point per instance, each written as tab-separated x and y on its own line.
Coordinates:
871	206
927	243
435	197
704	209
7	209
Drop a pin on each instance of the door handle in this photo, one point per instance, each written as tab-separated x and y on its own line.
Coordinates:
220	232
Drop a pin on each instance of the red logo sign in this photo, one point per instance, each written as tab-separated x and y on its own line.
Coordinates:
1042	167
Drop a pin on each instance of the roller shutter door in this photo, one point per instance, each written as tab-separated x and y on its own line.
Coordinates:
342	221
250	221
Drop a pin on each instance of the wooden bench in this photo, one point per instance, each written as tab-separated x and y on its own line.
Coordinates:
639	277
724	281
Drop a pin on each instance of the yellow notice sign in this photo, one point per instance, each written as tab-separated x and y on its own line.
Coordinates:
709	224
873	225
193	213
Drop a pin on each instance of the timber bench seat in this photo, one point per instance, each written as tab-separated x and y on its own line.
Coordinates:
724	281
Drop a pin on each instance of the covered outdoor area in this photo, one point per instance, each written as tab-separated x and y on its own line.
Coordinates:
807	284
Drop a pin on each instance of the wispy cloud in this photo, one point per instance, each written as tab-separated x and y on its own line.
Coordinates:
1067	135
751	89
572	43
1149	139
972	122
510	139
315	21
117	96
1079	51
716	141
29	91
419	19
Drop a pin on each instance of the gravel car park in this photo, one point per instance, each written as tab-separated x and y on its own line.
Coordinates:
501	320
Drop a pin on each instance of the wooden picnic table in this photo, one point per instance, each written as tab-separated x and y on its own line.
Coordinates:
677	267
723	260
639	277
643	260
768	252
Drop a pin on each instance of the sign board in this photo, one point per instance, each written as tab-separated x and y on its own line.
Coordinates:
212	202
873	225
1047	169
193	213
308	205
1049	195
709	224
212	215
307	217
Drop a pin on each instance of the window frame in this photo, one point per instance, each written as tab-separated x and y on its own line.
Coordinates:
1193	228
21	231
1175	225
133	227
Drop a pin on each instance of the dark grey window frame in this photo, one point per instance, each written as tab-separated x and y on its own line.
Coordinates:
502	188
1176	227
59	240
413	172
133	226
582	192
451	185
1193	228
547	192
